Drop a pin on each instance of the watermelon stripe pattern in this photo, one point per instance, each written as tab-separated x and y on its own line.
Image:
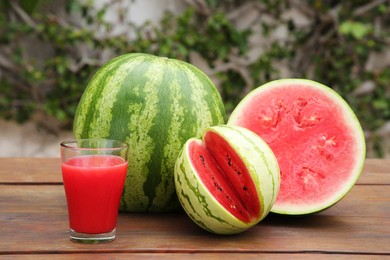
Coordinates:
154	104
196	199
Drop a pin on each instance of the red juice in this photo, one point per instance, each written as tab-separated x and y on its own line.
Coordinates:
93	186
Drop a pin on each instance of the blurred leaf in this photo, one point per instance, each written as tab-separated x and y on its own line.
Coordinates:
212	3
29	5
357	30
73	6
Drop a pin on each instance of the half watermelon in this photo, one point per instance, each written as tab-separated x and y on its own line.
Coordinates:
315	136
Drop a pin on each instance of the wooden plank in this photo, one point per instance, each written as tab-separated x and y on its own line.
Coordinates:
193	256
362	200
33	220
30	170
375	171
47	170
377	165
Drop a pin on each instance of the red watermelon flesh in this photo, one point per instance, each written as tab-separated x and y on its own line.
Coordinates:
225	176
315	136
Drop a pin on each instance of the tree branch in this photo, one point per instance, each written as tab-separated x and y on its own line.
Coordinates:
22	14
200	6
239	65
366	8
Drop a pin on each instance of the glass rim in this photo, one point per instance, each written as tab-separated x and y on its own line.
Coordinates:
121	145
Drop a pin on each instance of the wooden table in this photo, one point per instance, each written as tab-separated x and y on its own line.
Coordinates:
34	224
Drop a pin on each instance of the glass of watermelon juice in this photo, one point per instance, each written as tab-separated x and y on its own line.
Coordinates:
94	173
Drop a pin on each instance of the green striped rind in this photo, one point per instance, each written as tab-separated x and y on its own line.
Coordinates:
154	104
198	202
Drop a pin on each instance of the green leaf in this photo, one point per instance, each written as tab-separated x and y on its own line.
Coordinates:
357	30
72	6
212	3
29	5
380	104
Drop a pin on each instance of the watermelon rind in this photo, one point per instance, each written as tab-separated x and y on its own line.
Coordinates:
154	104
197	200
351	122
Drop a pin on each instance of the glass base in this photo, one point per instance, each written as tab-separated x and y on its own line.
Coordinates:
92	238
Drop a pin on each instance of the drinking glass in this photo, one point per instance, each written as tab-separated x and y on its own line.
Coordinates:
94	173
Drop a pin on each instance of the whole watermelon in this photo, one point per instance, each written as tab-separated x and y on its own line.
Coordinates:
154	104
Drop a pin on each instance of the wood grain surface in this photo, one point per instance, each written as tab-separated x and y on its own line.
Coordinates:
34	224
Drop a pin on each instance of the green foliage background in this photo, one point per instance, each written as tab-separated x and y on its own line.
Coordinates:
46	56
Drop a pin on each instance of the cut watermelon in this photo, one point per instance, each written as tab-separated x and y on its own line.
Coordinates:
315	136
228	181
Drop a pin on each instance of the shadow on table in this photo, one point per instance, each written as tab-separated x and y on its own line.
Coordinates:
318	220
